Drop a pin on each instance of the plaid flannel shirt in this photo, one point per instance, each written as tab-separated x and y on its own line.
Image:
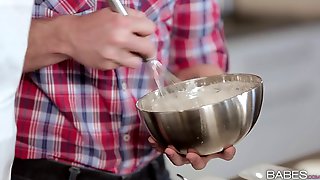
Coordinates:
87	117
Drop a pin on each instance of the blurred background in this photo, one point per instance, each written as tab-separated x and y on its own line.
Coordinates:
279	41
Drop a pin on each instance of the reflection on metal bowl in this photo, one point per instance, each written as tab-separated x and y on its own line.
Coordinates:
208	128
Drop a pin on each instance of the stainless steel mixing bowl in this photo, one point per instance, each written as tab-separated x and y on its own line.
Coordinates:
210	128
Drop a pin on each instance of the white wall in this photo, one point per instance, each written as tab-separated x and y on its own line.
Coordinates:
289	62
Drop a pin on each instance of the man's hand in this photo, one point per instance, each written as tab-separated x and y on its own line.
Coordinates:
106	40
102	40
197	162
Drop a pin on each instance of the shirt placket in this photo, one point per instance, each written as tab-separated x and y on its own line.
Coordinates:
125	138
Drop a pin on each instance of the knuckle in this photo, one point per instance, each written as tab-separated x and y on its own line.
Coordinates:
120	21
119	37
149	25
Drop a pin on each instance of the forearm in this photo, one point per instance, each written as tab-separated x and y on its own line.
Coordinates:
196	71
47	43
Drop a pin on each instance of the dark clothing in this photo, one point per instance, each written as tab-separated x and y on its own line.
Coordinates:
43	169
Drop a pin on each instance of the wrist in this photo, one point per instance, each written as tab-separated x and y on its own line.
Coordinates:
46	43
200	70
62	31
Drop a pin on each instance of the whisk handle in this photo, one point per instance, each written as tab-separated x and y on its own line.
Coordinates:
117	6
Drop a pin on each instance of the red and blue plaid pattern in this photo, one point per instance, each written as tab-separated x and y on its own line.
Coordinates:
87	117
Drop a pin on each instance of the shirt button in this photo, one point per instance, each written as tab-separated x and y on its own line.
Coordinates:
126	137
124	85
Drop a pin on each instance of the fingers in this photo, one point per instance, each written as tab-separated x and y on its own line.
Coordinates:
134	34
196	161
137	22
128	49
120	57
171	153
141	45
102	36
133	44
228	153
140	25
174	157
155	145
128	59
200	162
109	65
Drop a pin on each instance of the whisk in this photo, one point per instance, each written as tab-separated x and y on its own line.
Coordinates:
161	74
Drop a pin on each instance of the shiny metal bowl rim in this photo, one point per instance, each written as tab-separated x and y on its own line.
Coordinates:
258	84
